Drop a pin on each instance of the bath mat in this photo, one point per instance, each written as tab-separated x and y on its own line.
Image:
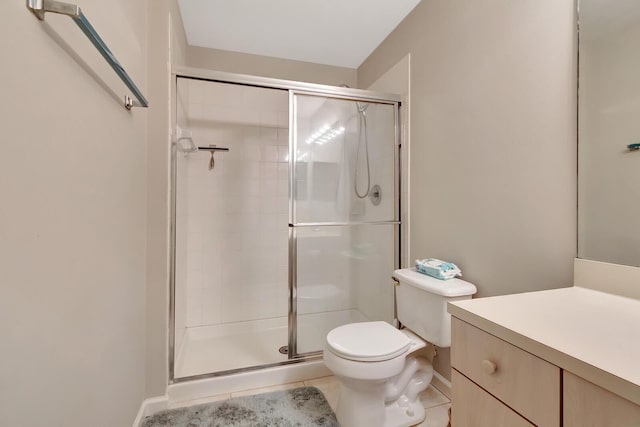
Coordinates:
298	407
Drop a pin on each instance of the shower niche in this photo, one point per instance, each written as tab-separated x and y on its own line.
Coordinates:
275	240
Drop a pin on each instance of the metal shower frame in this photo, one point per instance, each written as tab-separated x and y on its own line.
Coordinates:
294	88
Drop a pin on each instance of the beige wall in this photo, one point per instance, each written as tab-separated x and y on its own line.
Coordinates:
167	45
265	66
493	139
72	233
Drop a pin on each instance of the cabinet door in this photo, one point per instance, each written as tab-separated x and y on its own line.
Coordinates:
587	405
474	407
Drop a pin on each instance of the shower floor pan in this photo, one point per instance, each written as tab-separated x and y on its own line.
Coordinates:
217	348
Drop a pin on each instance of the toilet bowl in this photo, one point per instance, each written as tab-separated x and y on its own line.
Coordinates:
380	377
378	366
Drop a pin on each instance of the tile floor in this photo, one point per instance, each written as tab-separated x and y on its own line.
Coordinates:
436	404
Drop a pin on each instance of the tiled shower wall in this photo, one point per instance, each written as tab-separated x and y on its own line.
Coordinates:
237	236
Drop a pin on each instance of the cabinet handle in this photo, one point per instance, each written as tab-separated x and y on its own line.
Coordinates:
489	367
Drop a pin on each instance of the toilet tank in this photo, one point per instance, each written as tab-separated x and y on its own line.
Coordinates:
422	303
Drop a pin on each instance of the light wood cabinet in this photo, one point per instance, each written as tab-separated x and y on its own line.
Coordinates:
501	369
587	405
478	408
495	383
561	357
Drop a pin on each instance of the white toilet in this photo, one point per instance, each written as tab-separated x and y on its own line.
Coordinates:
380	375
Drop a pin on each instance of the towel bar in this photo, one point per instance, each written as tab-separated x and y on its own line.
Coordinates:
40	7
213	149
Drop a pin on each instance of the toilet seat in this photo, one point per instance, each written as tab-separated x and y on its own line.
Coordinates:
367	342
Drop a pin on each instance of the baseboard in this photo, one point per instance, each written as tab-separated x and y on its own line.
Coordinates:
198	389
149	407
442	384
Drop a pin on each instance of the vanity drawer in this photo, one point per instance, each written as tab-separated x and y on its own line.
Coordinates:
474	407
526	383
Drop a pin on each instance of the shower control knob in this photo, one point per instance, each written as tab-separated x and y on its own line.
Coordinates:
375	194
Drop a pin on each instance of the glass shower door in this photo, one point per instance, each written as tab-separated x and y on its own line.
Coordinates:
231	240
344	219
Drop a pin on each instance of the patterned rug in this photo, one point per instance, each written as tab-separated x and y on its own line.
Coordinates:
298	407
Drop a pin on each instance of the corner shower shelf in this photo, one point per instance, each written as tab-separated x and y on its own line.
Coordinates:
40	7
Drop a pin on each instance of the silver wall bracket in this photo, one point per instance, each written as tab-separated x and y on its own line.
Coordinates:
39	7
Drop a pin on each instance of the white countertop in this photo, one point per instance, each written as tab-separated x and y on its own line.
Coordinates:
593	334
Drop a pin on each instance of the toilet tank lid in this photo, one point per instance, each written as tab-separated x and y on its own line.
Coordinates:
446	288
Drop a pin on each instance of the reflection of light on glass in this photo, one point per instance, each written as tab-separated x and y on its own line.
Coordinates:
325	134
316	229
302	156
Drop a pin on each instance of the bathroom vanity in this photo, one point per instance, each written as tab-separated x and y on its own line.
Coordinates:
562	357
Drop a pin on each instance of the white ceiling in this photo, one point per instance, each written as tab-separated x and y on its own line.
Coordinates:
332	32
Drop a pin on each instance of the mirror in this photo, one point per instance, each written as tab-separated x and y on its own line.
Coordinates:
608	128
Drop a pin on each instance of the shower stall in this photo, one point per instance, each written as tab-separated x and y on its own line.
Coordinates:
285	218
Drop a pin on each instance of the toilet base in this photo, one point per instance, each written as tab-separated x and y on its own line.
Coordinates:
357	411
398	416
391	403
